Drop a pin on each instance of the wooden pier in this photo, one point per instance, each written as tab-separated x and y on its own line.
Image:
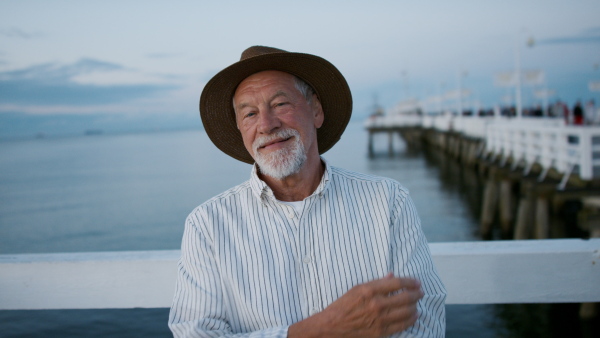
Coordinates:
541	177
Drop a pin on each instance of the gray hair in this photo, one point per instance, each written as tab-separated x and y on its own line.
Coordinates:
304	88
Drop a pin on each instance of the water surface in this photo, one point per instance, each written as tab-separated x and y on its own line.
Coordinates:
134	191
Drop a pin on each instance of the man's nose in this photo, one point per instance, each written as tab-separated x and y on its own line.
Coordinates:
268	122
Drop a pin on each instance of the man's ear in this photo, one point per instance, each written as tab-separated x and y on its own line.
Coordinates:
317	109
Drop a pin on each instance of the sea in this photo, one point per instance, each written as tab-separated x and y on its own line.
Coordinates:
133	191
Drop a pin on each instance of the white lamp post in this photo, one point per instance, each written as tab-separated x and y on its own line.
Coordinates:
518	75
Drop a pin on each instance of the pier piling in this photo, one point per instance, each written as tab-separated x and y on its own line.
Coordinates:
506	206
490	205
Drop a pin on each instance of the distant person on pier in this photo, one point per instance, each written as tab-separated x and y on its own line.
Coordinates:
303	248
578	114
561	109
591	115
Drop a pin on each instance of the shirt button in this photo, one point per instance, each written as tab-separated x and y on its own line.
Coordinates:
314	311
306	259
290	215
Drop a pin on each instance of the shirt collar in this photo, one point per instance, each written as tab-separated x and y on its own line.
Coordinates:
261	190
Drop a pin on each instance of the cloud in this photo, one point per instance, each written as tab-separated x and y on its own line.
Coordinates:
571	39
54	84
14	32
39	93
52	72
590	35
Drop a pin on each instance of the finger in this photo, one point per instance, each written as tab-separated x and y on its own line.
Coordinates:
396	307
406	296
399	319
401	313
395	321
400	306
409	283
402	325
390	284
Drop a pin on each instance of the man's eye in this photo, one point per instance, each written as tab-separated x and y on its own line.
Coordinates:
280	104
250	114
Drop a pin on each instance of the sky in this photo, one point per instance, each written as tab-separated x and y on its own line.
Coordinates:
128	61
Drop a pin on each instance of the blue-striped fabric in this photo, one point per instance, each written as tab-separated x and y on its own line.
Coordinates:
252	265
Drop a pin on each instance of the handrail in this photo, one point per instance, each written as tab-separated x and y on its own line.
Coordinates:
546	141
561	147
490	272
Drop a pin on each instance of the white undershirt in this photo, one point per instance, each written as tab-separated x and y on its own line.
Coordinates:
297	205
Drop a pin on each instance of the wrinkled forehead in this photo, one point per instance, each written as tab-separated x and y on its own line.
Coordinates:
265	82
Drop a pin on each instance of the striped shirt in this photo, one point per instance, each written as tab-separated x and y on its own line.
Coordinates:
252	265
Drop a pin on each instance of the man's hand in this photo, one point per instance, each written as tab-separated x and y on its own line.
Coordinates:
373	309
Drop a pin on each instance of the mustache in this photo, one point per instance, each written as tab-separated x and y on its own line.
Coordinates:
281	134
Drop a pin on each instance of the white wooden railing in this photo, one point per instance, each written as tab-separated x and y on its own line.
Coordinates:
492	272
527	140
558	146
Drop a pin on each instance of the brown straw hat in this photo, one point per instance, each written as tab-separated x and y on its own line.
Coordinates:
216	101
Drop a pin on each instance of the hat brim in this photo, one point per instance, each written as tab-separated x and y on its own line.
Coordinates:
216	101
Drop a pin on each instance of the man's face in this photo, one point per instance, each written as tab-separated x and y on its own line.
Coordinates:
277	123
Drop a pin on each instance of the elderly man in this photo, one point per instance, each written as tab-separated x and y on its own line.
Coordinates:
301	249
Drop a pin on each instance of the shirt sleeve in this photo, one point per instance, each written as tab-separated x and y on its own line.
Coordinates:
411	258
198	308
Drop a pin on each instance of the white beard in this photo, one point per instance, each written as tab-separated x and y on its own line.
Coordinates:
283	162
